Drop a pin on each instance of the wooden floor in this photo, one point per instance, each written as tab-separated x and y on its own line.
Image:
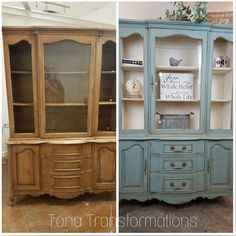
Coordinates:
88	213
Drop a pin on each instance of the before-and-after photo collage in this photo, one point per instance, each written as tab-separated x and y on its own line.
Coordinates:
118	117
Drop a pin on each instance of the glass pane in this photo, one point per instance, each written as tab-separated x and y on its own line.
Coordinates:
67	65
66	88
107	118
22	86
132	74
24	119
107	99
20	56
178	82
67	56
109	56
61	119
108	88
222	83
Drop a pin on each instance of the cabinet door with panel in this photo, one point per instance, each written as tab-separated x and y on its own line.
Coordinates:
133	80
105	87
20	66
66	72
25	165
219	165
220	94
177	86
133	166
105	166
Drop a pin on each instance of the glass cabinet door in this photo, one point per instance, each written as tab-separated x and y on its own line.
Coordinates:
66	70
21	85
133	71
176	84
221	84
106	89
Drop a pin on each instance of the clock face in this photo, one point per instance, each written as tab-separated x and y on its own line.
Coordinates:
133	86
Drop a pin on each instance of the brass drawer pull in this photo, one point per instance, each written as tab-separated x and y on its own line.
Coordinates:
172	184
172	147
184	147
183	184
184	164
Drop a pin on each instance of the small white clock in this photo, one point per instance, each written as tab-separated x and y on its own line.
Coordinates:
133	88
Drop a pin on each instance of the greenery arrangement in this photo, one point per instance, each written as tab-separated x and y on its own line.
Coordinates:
197	13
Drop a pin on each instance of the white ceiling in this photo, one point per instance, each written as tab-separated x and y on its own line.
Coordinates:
102	13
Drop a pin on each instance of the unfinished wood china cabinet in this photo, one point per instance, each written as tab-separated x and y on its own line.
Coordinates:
61	87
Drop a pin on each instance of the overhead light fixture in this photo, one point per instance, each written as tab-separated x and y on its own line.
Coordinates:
50	10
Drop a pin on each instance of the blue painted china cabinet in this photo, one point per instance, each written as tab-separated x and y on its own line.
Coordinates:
176	141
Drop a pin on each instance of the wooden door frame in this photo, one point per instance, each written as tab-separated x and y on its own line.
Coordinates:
100	42
91	40
12	40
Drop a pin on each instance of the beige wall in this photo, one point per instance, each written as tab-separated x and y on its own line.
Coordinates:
154	10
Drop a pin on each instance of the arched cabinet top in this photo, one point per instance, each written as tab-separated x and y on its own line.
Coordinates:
44	39
225	36
128	32
19	39
181	32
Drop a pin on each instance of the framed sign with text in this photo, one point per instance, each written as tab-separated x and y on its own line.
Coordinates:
220	17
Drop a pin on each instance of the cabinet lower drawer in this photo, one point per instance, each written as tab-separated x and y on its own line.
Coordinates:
71	182
179	164
177	184
67	150
67	164
168	147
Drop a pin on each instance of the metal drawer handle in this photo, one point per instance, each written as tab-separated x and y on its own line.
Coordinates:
173	185
184	147
172	147
172	164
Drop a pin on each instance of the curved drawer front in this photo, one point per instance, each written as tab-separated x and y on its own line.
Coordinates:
184	147
177	184
67	164
179	164
71	182
67	149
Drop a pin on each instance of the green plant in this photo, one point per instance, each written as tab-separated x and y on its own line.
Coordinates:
197	13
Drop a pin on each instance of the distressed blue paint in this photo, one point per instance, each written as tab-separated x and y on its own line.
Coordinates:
204	167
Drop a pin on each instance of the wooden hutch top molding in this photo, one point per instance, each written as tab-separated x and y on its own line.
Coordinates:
176	24
12	30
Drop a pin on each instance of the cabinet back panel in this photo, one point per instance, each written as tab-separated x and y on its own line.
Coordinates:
24	119
179	47
66	119
133	47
